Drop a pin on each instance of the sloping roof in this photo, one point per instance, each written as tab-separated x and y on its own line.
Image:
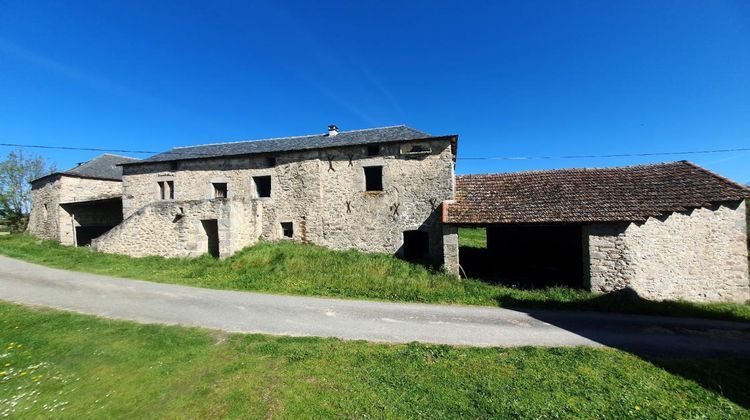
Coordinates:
631	193
106	166
286	144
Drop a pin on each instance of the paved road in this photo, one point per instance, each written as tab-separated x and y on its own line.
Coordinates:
246	312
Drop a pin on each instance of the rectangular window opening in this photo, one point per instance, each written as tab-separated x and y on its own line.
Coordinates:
166	190
262	186
373	178
220	189
373	150
288	229
269	162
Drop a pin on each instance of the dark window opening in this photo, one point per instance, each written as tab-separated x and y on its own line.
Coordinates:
269	161
416	245
220	189
288	229
373	150
262	186
211	227
373	178
166	190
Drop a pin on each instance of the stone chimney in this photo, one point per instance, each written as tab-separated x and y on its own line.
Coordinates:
332	130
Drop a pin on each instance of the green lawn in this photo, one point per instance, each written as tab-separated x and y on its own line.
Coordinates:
472	237
292	268
75	366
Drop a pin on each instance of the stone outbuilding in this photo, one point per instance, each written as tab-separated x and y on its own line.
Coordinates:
79	204
664	231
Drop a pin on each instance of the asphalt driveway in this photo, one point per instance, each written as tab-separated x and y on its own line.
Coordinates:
247	312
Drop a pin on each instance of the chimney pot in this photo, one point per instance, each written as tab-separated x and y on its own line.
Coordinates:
332	130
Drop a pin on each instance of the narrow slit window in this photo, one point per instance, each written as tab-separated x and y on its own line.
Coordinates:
288	229
262	186
220	189
170	190
162	190
373	178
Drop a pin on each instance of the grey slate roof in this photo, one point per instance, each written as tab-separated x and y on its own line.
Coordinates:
106	166
286	144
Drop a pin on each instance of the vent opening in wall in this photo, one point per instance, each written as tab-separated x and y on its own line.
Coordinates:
288	229
373	178
220	189
262	186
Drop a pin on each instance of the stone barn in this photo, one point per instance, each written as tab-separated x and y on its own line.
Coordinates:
665	231
79	204
374	190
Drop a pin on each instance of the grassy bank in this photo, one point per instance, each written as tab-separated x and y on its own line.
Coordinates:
290	268
74	366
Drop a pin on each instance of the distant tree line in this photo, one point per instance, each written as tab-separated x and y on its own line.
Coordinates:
17	171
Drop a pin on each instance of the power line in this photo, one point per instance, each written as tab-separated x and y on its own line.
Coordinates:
686	152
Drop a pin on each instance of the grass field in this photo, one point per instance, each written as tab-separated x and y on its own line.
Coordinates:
291	268
75	366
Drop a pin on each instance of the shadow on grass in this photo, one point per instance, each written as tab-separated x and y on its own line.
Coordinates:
713	354
627	301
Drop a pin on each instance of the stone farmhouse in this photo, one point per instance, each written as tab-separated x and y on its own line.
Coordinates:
664	231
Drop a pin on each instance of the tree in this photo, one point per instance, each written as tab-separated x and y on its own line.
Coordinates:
16	173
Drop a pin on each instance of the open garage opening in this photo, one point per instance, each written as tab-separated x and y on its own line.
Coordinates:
524	256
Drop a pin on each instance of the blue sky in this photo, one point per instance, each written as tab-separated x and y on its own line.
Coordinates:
522	78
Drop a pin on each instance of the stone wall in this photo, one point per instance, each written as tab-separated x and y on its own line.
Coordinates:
321	192
174	228
44	220
697	255
49	219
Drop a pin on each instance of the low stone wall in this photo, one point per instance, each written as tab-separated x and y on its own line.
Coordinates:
697	255
174	229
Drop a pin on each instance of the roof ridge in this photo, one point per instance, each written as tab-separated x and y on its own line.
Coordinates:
115	155
605	168
291	137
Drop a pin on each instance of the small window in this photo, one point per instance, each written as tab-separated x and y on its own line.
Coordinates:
166	190
46	214
288	229
373	178
220	189
373	150
262	186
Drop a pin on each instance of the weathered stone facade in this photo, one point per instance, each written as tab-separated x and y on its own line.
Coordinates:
321	192
53	214
175	228
696	255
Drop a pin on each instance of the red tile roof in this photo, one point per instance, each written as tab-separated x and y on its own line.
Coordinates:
631	193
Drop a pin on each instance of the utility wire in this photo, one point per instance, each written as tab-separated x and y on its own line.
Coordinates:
687	152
